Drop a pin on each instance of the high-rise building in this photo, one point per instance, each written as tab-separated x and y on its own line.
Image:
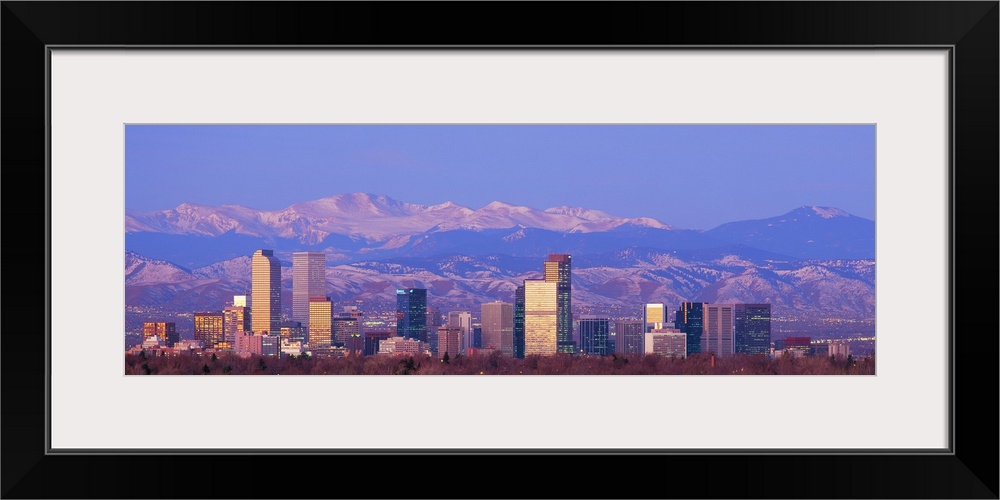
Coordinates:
411	313
433	318
477	337
498	326
236	318
629	337
463	320
209	328
320	322
558	269
517	332
689	321
540	317
449	341
717	329
654	316
265	292
594	335
165	331
752	328
308	280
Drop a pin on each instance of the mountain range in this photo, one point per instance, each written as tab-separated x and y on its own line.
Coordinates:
811	261
349	227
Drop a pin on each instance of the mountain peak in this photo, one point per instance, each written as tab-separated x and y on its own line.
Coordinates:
827	212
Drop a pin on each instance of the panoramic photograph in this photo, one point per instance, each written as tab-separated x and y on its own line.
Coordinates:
499	250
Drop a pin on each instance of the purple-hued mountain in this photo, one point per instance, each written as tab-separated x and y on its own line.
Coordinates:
350	227
367	216
625	278
809	262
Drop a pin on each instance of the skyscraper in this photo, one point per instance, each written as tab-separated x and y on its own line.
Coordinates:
463	320
629	337
517	333
558	269
308	280
209	328
752	327
236	318
498	326
540	317
594	335
265	292
689	321
320	322
717	329
411	313
654	316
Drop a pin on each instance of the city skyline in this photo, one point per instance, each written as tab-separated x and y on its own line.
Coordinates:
768	167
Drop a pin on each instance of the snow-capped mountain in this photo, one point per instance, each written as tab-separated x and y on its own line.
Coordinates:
353	227
367	216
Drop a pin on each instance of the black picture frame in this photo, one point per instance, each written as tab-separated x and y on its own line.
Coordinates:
969	28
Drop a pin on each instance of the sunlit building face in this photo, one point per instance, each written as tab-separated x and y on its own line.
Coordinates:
209	328
540	317
265	292
654	315
320	321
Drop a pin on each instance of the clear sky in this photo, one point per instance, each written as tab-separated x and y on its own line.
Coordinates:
689	176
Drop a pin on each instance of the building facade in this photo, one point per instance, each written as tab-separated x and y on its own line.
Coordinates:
265	292
558	269
320	322
498	326
449	341
372	339
411	313
689	320
517	332
236	318
630	337
752	328
717	334
594	335
165	331
463	320
667	342
209	328
654	315
540	317
308	280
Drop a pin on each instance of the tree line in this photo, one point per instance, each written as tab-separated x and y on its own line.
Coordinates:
494	364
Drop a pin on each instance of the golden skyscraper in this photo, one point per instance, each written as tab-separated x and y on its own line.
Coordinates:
320	322
265	292
540	317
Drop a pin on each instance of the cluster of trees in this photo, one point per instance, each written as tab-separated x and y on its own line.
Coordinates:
494	364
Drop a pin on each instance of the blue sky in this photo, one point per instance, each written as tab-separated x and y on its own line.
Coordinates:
690	176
